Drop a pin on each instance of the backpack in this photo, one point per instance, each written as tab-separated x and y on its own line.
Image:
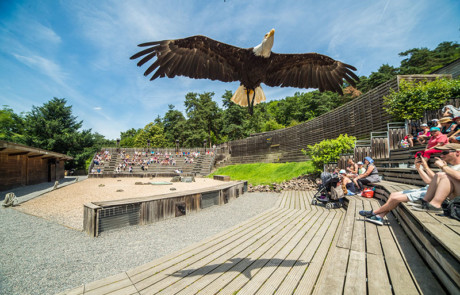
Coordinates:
336	192
453	209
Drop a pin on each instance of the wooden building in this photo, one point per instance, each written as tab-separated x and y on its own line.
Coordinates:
23	165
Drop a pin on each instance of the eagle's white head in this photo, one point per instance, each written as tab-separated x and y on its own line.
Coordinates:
265	48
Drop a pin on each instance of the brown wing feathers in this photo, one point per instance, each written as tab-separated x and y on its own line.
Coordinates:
309	70
200	57
196	57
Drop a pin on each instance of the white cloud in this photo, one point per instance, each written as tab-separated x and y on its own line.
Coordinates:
44	65
97	108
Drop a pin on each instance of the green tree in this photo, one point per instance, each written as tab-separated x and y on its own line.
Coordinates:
127	138
416	61
204	118
174	124
152	132
11	125
425	61
234	117
53	127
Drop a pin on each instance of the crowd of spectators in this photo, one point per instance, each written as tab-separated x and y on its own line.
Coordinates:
448	126
144	159
99	160
440	140
356	175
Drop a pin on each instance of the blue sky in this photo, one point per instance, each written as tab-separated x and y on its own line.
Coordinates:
80	49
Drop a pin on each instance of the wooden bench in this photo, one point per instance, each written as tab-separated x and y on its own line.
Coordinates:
437	238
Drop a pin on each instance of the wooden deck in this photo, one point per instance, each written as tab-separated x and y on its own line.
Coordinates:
294	248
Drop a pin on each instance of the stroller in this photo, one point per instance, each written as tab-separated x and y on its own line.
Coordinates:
328	193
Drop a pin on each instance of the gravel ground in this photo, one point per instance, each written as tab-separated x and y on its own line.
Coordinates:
39	256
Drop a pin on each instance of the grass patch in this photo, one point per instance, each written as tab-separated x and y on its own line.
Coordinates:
265	173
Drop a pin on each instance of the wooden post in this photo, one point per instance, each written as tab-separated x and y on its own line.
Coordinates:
90	219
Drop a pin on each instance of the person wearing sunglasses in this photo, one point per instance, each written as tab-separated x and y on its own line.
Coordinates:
439	185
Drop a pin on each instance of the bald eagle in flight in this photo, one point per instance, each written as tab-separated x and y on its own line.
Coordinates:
200	57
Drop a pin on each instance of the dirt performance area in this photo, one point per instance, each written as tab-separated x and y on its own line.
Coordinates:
65	205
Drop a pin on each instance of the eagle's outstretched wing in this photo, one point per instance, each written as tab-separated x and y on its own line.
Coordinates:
197	57
309	70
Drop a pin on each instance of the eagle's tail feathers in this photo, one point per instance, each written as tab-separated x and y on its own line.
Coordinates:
240	96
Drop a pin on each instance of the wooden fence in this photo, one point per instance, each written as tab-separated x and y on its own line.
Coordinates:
358	118
103	216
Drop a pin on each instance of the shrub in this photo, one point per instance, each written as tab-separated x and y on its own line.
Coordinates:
413	99
329	150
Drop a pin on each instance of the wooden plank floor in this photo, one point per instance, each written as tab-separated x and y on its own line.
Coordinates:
294	248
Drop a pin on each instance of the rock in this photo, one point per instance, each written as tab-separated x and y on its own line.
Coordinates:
120	190
172	189
138	183
302	183
101	185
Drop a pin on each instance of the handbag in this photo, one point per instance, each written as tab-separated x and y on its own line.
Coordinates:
367	193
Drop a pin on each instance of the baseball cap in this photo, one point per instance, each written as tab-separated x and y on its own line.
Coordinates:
434	129
342	171
424	125
360	163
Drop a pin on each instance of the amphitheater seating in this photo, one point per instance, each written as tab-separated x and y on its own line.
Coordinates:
435	237
201	165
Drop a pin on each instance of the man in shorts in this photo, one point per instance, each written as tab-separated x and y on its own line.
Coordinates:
428	198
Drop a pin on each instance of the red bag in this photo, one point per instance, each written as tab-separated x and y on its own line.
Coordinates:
367	193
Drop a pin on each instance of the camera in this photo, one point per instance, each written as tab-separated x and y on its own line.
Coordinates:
419	155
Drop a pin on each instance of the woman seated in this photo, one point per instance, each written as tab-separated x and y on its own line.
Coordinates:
455	137
424	135
371	175
351	189
448	126
352	167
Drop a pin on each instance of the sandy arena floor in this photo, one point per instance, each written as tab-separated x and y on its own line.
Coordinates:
65	205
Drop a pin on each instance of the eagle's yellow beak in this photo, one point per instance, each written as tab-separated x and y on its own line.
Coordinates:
271	33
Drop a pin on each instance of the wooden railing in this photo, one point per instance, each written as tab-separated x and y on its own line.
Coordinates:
358	118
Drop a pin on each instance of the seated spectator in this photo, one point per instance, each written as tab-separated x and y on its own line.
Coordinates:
435	123
361	168
437	139
450	111
407	141
351	189
371	175
352	167
448	126
429	198
455	137
424	135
